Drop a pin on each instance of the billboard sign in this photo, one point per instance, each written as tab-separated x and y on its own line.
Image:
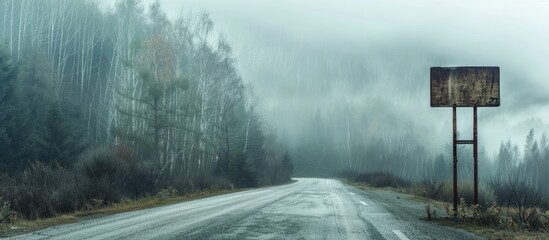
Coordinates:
465	87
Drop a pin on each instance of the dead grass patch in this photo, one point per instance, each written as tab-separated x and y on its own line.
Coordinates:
25	226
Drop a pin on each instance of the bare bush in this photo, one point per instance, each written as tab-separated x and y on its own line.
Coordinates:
466	191
167	192
349	174
528	202
42	191
208	181
433	189
5	210
443	191
431	213
104	175
382	179
492	216
110	178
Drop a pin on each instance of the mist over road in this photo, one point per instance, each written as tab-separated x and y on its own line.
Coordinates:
307	209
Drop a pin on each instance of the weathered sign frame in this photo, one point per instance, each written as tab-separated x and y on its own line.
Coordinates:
465	87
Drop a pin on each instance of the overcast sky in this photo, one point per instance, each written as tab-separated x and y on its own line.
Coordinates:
303	55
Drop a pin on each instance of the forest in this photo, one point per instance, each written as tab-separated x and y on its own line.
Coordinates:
100	106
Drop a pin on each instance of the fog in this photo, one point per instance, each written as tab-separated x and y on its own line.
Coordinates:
109	101
370	60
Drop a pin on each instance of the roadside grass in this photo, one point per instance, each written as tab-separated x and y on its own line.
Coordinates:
493	232
21	226
510	231
504	232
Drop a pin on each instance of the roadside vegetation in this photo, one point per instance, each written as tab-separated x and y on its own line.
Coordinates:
17	224
101	182
107	108
506	210
513	194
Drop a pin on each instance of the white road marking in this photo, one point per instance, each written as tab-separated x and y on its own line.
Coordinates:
363	203
400	235
352	194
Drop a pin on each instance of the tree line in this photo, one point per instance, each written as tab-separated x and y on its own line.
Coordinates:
530	167
159	95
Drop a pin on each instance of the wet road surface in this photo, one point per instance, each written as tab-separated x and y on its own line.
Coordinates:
307	209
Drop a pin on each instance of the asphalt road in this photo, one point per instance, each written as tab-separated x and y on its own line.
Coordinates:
306	209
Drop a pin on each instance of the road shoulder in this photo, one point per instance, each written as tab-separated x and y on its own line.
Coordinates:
410	209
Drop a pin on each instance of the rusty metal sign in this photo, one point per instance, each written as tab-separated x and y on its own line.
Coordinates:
465	87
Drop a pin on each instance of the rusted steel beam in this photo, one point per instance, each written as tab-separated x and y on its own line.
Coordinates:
455	160
475	154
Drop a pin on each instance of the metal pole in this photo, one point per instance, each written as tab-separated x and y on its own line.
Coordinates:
455	160
475	153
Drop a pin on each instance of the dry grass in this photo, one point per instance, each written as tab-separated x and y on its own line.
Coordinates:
495	233
489	232
367	187
25	226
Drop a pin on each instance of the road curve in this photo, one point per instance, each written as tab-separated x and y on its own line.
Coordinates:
307	209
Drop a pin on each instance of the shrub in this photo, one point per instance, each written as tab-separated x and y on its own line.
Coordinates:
433	189
244	178
180	182
466	191
5	210
518	194
139	180
431	213
42	191
382	179
167	192
529	201
349	174
109	177
492	215
443	191
208	181
104	176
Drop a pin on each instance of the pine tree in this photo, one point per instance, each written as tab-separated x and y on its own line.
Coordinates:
241	173
34	90
287	165
60	142
7	112
441	168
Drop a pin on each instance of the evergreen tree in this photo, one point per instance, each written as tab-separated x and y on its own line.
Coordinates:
530	149
529	143
503	161
34	90
8	109
153	111
240	173
60	142
287	166
442	169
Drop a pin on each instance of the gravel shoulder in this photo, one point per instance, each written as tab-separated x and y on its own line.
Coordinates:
409	212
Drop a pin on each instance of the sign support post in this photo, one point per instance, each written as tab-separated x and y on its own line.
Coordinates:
465	87
455	160
475	154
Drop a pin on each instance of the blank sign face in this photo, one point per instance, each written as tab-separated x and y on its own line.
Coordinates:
465	86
